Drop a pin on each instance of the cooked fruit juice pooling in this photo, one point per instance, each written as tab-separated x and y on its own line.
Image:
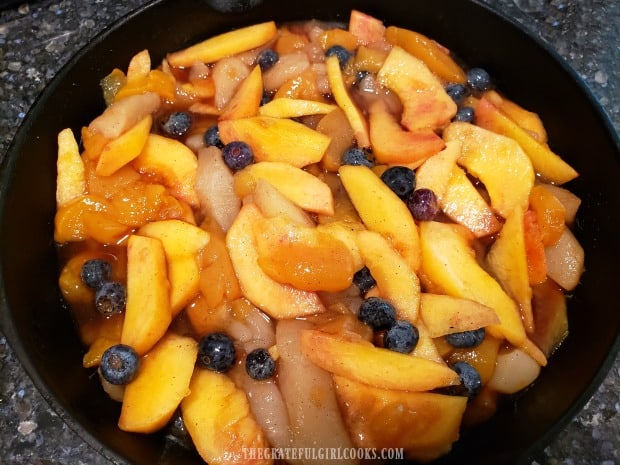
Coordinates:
313	236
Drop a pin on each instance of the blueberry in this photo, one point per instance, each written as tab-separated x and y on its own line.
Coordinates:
401	337
177	124
357	157
400	179
110	298
456	91
266	97
464	114
466	339
339	51
470	378
119	364
95	272
423	204
237	155
267	58
377	313
216	352
364	280
212	137
259	364
478	79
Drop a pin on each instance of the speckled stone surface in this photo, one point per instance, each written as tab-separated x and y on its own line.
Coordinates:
36	39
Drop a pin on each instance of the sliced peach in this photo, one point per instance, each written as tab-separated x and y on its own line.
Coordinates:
534	249
377	418
182	243
382	211
156	81
173	162
430	52
70	177
148	313
276	139
550	213
498	162
344	210
305	257
343	99
337	36
118	152
507	261
425	102
246	100
225	44
162	382
366	28
277	300
294	108
547	164
527	120
396	281
217	416
361	361
550	318
300	187
301	86
369	59
391	144
463	203
435	173
448	261
483	357
445	314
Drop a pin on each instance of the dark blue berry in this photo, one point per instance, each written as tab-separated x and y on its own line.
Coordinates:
457	92
357	157
119	364
423	204
466	339
478	79
400	179
377	313
177	124
401	337
267	58
110	298
216	352
259	364
470	378
340	52
364	280
464	114
95	272
266	97
237	155
212	137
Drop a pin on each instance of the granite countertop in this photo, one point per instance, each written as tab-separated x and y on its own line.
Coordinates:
36	39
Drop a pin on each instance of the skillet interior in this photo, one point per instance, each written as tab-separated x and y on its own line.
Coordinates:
40	329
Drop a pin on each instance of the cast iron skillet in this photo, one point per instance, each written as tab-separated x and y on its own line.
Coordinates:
40	329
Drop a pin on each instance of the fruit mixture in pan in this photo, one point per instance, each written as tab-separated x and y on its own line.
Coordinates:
312	235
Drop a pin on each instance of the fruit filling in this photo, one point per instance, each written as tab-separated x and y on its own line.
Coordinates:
313	235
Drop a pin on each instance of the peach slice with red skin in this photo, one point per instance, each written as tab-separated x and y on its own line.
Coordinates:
366	28
393	145
425	102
